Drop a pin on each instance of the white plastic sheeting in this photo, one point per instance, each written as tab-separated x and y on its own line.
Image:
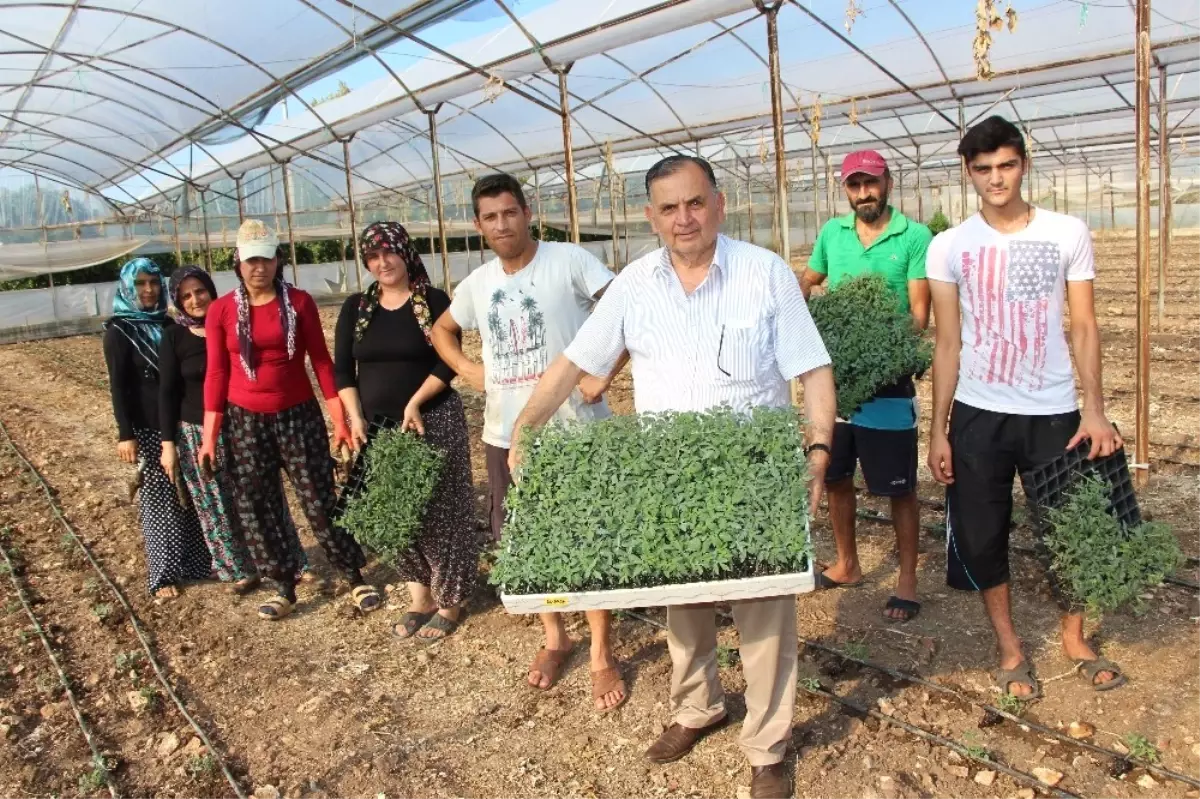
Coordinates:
30	260
94	300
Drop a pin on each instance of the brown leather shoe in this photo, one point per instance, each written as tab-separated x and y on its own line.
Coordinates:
677	740
770	782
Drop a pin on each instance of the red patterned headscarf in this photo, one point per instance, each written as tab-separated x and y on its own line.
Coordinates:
392	237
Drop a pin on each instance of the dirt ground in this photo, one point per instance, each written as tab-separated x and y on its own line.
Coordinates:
327	704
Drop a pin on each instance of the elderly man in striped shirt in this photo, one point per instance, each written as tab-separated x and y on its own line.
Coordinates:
709	321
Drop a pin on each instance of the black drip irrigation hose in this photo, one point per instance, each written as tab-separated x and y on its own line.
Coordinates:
98	760
133	619
1033	725
917	680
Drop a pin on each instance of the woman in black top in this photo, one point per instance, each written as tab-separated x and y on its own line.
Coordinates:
182	363
175	548
385	366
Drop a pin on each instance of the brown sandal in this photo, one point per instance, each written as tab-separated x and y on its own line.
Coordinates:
607	681
548	662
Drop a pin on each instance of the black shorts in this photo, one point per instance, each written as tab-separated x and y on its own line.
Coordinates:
888	458
988	450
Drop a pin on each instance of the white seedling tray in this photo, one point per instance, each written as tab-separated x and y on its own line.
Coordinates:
675	594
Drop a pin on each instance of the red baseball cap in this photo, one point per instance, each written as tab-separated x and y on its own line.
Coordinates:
867	162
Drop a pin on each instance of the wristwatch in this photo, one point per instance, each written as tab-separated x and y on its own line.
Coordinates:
822	447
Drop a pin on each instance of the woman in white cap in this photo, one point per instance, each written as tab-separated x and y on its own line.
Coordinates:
257	384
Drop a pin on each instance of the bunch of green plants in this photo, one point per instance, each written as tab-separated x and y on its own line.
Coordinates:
656	499
401	473
871	339
938	223
1104	565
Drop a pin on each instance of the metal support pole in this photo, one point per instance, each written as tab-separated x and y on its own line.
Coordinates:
41	214
612	217
920	189
1164	196
241	201
781	191
287	206
358	265
1066	193
831	203
1087	200
204	223
178	249
437	196
1142	106
962	164
568	152
900	186
1054	190
274	200
537	199
1112	202
749	203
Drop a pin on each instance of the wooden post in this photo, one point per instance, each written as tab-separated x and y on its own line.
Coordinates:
830	205
816	192
1164	196
241	201
568	153
612	217
1112	201
178	249
358	265
1142	107
920	189
1087	200
781	193
41	214
274	199
1066	193
1054	190
537	195
750	202
625	216
287	206
900	186
437	194
962	163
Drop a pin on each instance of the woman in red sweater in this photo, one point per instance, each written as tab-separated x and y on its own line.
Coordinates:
258	336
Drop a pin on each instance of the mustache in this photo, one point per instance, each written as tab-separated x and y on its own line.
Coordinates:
869	201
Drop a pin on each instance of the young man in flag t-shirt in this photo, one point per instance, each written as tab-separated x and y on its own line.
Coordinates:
1003	390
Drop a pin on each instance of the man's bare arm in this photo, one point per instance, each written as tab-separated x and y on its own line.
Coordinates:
809	279
820	408
548	396
947	349
446	337
918	302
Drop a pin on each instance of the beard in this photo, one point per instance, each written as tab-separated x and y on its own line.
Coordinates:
870	211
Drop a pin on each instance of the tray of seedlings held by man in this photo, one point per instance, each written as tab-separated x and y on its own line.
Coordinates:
657	509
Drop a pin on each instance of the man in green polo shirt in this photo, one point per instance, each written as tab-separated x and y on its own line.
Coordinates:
882	436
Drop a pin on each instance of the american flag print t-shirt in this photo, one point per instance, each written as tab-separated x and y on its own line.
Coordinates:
1011	294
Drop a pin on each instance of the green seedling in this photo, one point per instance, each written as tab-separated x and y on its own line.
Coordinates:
870	338
974	748
94	780
401	474
1139	746
101	611
152	697
200	765
727	656
1011	704
810	683
656	499
128	660
857	650
1102	565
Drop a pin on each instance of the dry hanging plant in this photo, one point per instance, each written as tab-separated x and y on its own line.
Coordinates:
762	148
814	121
853	112
987	20
853	12
493	88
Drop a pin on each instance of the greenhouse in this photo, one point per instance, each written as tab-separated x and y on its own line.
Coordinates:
156	127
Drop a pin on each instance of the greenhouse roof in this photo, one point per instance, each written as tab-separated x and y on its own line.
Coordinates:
136	100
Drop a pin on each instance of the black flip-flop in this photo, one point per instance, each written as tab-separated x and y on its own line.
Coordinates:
1088	669
411	622
909	607
828	583
442	625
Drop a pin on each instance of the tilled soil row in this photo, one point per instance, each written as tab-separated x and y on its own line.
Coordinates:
148	748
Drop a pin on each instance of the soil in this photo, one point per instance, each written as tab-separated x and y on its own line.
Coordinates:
328	704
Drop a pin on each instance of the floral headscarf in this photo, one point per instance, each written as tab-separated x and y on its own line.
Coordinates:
287	315
142	327
176	282
392	237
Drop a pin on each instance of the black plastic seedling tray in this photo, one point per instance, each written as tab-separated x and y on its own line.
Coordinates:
1047	485
358	469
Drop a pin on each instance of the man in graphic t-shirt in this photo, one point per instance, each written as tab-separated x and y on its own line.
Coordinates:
998	282
527	304
881	436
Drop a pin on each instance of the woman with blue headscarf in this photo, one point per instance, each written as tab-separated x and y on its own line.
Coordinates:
175	548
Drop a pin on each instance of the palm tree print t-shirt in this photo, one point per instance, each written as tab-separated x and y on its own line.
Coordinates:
525	321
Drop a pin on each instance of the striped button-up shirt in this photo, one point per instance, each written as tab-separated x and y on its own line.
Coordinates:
736	340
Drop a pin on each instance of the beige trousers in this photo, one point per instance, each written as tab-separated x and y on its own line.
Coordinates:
767	630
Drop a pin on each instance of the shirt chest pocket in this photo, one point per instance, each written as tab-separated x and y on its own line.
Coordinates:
743	349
